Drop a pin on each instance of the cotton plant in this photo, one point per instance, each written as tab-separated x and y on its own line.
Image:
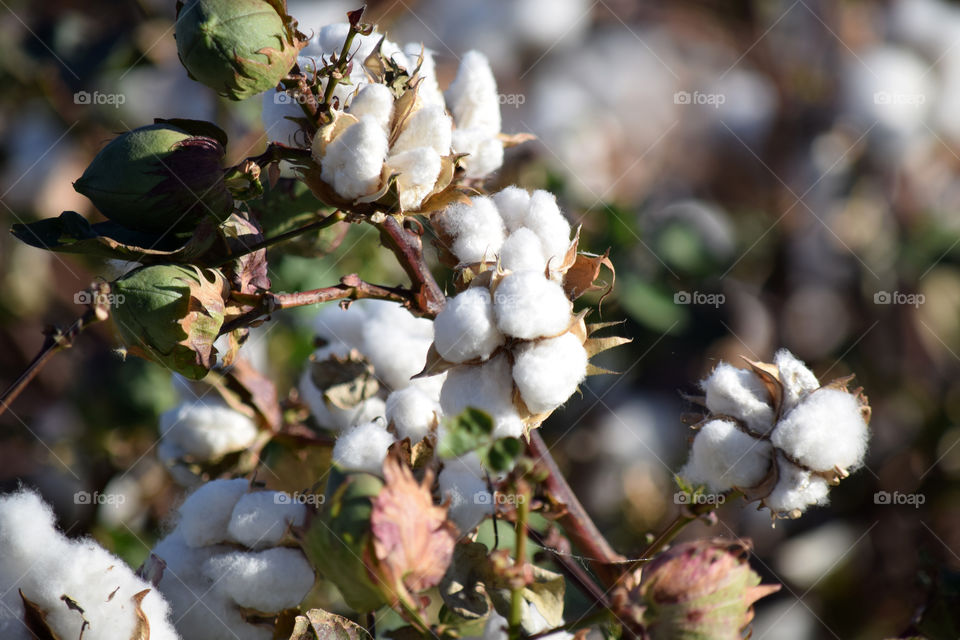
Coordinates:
362	489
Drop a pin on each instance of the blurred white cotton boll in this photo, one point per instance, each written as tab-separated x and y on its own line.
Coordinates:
527	306
363	448
270	580
207	429
353	162
427	127
806	559
418	169
428	91
513	204
262	518
336	324
413	413
472	96
331	416
396	343
796	489
739	393
523	251
470	500
376	101
549	371
465	328
797	379
476	229
488	387
824	431
278	113
205	514
723	457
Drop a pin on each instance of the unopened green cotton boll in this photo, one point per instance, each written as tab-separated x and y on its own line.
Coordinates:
239	48
158	178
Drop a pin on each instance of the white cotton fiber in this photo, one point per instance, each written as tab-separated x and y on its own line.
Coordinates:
545	219
523	251
547	372
485	151
465	328
396	343
262	518
796	378
723	457
513	203
418	169
430	127
430	385
333	417
472	96
796	489
476	229
278	111
527	306
470	500
488	387
412	413
363	448
337	325
824	431
205	514
207	429
353	162
428	91
376	101
267	581
741	394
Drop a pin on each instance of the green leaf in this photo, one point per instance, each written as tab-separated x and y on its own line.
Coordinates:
545	593
466	432
502	454
329	626
462	588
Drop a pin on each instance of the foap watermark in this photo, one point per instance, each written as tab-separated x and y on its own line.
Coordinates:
898	297
85	497
512	99
485	497
699	298
894	97
682	497
112	99
896	498
98	298
698	97
314	499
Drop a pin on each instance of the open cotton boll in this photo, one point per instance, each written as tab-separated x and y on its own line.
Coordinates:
207	430
331	416
262	518
375	101
472	96
465	328
484	151
546	220
428	91
430	127
796	378
824	431
363	448
547	372
267	581
353	162
418	169
430	385
337	325
397	346
523	251
513	203
476	229
412	413
205	514
527	306
739	393
796	489
723	457
470	500
278	112
488	387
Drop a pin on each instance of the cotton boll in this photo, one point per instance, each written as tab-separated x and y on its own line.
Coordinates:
739	393
375	101
207	430
431	127
473	97
430	385
268	581
396	344
527	306
262	518
428	91
523	251
333	417
824	431
278	111
484	151
412	413
338	325
723	457
353	162
796	489
363	448
513	204
418	169
476	229
205	514
487	387
470	500
546	220
549	371
797	379
465	328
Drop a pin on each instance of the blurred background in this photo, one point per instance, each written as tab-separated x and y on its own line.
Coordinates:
765	174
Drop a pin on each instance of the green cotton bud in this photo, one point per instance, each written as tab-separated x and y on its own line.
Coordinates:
171	314
237	47
158	178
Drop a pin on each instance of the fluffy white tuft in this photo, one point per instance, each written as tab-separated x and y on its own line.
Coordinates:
545	219
476	229
824	431
797	379
396	342
418	169
796	489
547	372
527	306
523	251
270	580
363	448
332	417
207	430
485	152
205	514
465	328
470	500
261	519
429	127
513	203
353	162
723	457
428	91
375	101
488	387
413	413
741	394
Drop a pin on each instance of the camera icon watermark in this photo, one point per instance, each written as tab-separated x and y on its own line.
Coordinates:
699	98
85	497
97	98
897	297
896	498
682	497
699	298
893	97
313	499
97	298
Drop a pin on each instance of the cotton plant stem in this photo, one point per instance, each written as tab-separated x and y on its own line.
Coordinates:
574	572
520	559
407	246
685	517
323	223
